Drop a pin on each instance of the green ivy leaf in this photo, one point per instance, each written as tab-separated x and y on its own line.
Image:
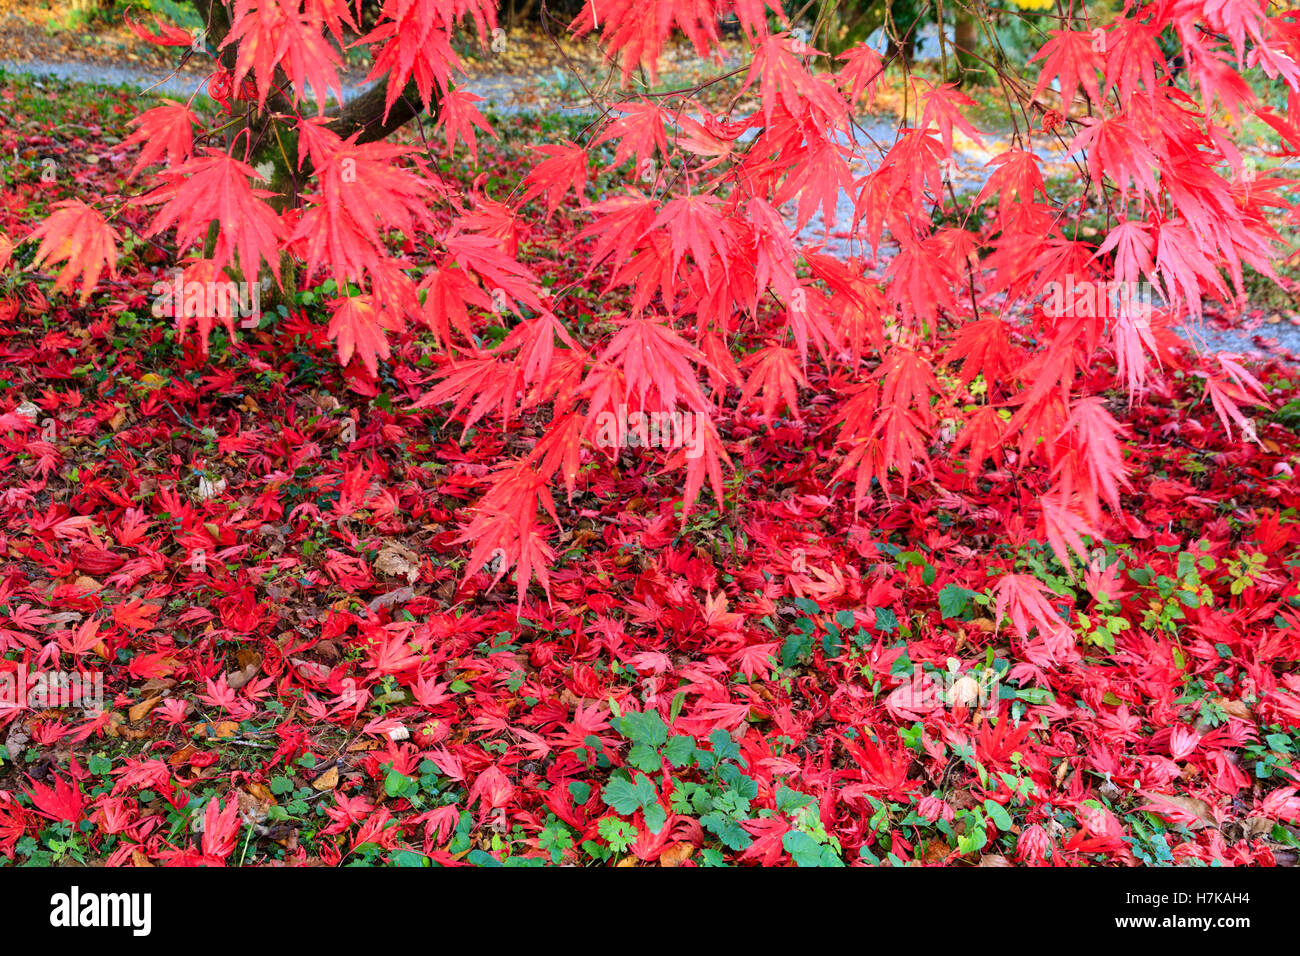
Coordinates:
954	600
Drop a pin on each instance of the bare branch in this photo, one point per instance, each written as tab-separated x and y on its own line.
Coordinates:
366	113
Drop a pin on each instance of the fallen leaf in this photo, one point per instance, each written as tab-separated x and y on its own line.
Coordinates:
328	780
397	560
237	679
1190	811
261	792
221	729
142	709
1236	708
1255	827
677	854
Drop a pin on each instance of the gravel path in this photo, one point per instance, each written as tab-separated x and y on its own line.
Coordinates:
102	75
501	91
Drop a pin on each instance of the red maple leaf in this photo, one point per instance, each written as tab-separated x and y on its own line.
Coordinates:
216	187
357	328
78	236
565	170
165	130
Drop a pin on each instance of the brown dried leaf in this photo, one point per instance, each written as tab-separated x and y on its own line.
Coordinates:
221	729
397	560
143	709
677	854
1199	809
1234	707
328	780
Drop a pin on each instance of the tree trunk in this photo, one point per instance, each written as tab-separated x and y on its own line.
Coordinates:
966	40
273	140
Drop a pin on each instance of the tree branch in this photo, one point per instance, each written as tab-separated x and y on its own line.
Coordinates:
365	114
216	26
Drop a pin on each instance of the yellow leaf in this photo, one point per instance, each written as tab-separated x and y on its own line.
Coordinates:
142	709
328	780
677	854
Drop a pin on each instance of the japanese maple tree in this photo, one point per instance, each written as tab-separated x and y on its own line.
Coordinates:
930	328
